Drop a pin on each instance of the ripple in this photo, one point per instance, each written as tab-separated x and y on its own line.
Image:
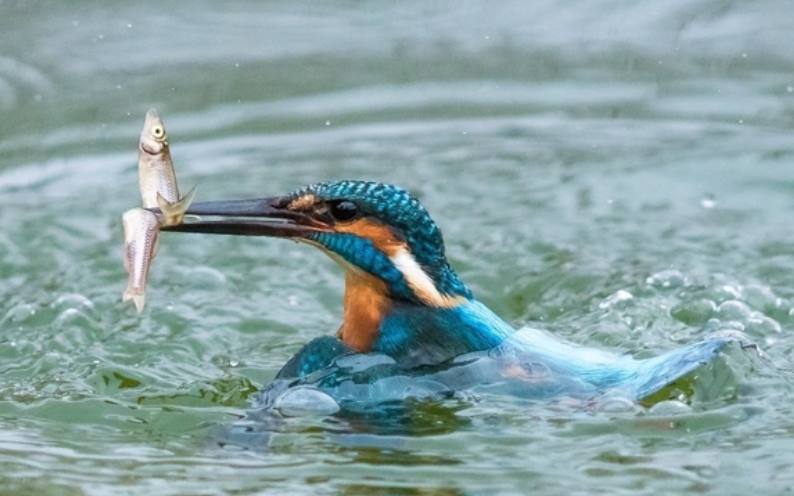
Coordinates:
31	77
570	155
20	313
73	300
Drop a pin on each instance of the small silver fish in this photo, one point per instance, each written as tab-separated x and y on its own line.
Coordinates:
141	236
156	176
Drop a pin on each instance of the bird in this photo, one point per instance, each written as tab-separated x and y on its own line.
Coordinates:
410	326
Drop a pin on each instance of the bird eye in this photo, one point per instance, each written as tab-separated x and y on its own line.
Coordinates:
344	210
158	132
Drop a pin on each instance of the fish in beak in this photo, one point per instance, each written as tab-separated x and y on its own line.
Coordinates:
156	176
159	194
141	234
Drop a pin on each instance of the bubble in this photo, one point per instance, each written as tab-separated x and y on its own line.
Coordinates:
726	292
727	325
225	361
618	297
666	279
734	310
694	312
759	297
303	401
760	324
670	408
708	203
616	404
203	276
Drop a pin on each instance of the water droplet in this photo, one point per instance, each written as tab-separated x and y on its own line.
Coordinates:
740	121
744	55
327	123
236	64
129	25
790	89
708	203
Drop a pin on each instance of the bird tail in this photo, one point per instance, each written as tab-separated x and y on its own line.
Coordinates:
655	376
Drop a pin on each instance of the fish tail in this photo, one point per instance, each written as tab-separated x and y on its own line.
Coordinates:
174	212
139	299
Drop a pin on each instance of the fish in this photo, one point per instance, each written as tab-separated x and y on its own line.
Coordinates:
141	239
156	176
158	188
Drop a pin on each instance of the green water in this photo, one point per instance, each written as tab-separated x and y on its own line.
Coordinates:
621	173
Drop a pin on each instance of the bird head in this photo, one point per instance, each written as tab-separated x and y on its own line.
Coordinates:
390	247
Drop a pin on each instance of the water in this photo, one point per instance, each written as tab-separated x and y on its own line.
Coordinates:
619	173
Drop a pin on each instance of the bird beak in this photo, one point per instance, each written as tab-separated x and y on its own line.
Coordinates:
257	217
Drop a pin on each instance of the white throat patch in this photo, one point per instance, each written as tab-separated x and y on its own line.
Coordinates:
421	283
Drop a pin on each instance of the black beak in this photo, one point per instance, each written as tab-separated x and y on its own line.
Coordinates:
257	217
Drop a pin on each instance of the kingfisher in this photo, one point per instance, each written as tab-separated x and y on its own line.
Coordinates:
410	326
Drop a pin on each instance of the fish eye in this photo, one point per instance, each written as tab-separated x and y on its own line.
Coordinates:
344	210
158	131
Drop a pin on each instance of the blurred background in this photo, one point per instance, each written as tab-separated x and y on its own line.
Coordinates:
620	173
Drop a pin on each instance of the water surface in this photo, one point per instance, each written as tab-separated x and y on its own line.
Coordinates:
619	173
